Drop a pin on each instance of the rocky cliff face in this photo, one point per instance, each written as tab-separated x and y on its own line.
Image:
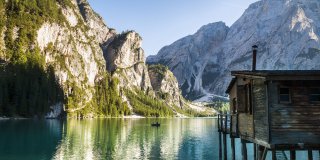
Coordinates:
125	60
286	31
165	85
68	34
74	49
87	58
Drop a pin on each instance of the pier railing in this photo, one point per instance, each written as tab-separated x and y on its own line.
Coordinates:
228	124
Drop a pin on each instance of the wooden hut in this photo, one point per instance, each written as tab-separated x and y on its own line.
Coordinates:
275	110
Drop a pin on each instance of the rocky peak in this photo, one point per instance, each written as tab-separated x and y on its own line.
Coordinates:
187	57
286	31
124	51
96	24
125	59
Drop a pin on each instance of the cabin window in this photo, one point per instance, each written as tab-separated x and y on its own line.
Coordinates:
244	99
234	105
284	95
249	99
241	99
314	95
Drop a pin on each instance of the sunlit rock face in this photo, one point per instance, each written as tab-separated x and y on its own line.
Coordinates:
165	85
286	31
70	43
125	60
74	48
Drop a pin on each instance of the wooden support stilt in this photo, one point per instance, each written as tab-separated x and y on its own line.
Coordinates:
254	151
233	156
225	146
274	155
220	146
225	138
244	150
221	123
260	152
264	154
310	157
292	154
218	122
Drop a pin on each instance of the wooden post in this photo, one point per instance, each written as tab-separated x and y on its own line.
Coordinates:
310	157
264	154
254	151
260	152
218	122
221	123
220	146
244	150
233	157
225	146
225	123
292	154
274	155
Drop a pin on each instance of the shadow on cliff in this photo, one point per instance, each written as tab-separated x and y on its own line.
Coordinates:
28	89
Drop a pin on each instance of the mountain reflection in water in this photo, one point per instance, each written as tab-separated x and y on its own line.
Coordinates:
114	138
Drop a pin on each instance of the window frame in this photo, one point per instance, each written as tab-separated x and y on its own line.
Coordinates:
310	94
234	106
249	106
289	94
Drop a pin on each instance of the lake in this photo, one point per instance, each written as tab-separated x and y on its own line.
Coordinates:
113	138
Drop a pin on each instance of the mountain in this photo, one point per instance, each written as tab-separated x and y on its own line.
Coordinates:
59	57
286	32
145	87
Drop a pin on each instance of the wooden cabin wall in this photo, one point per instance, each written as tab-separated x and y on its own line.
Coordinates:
259	99
232	96
297	121
245	120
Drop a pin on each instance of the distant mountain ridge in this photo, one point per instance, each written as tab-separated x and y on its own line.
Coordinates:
286	31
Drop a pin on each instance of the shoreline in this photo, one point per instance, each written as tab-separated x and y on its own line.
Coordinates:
123	117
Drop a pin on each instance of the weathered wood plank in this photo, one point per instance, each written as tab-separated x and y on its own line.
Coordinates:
274	156
220	147
310	156
225	146
292	155
244	151
233	151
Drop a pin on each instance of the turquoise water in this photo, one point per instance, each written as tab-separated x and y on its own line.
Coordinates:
190	138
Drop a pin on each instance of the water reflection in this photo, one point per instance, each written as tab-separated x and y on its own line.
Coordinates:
29	139
114	139
136	139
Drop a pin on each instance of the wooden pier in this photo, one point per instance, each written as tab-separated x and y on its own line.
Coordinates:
225	125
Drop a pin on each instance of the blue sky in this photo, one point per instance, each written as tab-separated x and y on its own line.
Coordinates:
161	22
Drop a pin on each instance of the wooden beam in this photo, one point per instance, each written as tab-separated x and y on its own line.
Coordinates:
218	122
254	151
310	157
292	154
233	156
274	155
221	123
260	152
244	150
226	123
220	146
264	154
225	146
